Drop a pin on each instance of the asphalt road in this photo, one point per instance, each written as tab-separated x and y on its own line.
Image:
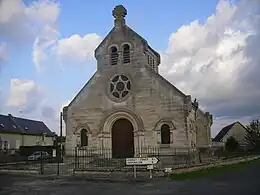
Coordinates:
243	182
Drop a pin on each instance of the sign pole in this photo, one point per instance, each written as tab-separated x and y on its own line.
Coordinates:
134	171
151	174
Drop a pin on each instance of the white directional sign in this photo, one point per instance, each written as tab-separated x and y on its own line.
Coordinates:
150	167
168	170
141	161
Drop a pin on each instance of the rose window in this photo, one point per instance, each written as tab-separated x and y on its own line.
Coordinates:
120	86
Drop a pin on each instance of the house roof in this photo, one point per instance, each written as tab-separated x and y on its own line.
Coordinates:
224	131
11	124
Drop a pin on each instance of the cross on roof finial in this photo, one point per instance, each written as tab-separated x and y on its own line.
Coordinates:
119	12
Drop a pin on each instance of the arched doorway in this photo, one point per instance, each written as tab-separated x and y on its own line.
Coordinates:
165	134
122	139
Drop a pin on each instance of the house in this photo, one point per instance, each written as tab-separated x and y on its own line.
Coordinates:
127	105
236	130
16	132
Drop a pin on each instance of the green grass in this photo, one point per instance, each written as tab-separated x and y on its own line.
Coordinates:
212	171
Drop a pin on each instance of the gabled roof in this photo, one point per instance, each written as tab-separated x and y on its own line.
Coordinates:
82	89
127	28
10	124
224	131
166	82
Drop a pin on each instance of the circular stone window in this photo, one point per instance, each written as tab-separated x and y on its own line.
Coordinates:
119	87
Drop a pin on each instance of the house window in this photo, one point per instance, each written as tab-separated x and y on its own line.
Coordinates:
83	138
149	60
165	134
126	53
113	55
5	145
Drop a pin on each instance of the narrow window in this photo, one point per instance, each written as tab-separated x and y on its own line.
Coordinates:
113	56
126	54
84	137
165	134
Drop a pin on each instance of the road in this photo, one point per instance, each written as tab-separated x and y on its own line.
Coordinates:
238	183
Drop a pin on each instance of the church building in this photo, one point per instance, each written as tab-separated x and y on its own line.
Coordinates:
128	105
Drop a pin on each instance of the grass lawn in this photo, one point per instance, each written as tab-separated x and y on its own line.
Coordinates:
209	172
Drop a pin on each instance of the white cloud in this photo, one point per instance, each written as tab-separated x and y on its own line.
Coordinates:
217	61
66	103
35	23
44	10
28	100
1	100
3	54
25	95
42	44
78	48
74	49
22	24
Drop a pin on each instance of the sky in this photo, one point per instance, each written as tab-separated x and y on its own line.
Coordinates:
209	49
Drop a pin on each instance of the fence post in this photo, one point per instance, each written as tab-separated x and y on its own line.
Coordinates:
58	165
41	164
75	158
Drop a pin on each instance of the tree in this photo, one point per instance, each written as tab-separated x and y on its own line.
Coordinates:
231	144
252	136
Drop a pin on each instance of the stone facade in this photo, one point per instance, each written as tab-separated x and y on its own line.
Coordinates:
127	85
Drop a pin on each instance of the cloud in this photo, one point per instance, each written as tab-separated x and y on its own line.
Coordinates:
25	95
217	61
36	23
29	100
24	24
20	23
48	112
1	100
75	49
3	54
42	44
78	48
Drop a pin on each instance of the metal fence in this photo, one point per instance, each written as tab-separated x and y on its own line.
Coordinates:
99	158
84	159
11	160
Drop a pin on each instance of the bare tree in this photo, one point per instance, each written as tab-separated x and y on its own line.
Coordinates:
252	136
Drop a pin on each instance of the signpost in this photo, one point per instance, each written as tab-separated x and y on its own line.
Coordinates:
53	152
150	168
142	161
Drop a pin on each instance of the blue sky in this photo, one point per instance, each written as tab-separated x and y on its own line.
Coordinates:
161	24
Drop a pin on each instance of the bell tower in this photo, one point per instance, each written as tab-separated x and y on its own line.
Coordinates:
124	48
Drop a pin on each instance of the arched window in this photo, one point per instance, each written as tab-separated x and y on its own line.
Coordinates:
126	54
113	55
165	134
84	137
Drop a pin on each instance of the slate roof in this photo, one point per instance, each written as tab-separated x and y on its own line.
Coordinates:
11	124
224	131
